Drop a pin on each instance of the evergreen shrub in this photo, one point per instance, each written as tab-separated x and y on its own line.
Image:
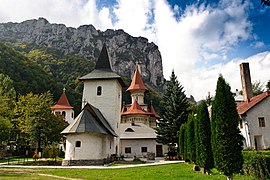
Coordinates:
256	164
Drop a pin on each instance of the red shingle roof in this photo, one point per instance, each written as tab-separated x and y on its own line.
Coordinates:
135	109
243	107
62	103
137	82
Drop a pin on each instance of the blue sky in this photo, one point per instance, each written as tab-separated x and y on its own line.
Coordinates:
198	39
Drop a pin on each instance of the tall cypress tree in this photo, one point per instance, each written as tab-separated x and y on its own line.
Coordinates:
182	141
227	141
174	112
190	132
204	155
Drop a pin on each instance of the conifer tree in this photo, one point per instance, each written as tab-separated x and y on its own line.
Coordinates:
182	141
190	133
174	112
204	155
227	141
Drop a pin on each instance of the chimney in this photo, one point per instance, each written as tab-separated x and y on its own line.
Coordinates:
246	81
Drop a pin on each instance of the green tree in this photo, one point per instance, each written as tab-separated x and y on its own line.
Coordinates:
268	85
46	152
257	88
36	122
53	152
182	142
204	155
174	112
190	133
7	101
227	141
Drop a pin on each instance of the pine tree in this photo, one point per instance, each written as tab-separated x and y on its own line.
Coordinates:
190	133
204	155
227	141
174	112
182	141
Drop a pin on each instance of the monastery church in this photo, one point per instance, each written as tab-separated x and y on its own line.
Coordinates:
104	128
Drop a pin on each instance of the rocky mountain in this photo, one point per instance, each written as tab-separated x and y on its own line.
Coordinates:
86	41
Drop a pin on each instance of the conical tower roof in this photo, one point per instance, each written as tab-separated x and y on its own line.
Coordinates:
103	68
62	102
137	82
103	62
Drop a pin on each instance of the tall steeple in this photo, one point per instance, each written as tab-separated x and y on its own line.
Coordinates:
103	62
103	89
137	88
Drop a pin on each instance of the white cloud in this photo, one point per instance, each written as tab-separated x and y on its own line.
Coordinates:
258	44
190	44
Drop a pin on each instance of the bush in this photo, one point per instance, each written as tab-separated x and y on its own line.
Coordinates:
256	164
45	152
53	152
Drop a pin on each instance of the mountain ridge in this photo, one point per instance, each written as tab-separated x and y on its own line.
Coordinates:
86	41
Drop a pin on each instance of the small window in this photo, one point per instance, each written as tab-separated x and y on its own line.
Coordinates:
64	113
144	149
261	122
99	89
241	124
78	143
127	149
72	115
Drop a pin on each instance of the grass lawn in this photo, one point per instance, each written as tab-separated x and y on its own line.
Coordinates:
172	171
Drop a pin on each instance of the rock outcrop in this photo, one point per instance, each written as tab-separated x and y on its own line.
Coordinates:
85	41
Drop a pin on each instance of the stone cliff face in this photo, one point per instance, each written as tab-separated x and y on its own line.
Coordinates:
86	42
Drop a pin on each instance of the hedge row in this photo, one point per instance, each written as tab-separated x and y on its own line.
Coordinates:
257	164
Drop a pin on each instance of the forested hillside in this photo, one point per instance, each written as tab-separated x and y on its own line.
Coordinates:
38	70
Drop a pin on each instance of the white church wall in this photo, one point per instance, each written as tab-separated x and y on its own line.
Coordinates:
69	114
136	147
93	146
109	102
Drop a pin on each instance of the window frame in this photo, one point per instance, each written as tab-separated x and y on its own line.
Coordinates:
143	149
127	150
78	144
99	91
261	121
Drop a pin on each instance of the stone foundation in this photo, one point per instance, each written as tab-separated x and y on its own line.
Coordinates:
95	162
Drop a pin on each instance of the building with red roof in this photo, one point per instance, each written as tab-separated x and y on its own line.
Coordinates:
63	108
254	114
137	134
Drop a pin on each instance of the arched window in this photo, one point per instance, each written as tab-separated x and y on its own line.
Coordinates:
64	113
78	144
99	89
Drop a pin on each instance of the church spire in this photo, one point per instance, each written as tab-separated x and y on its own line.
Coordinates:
103	62
137	82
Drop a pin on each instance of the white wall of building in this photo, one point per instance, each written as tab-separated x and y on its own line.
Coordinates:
136	146
93	146
109	102
69	114
251	123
